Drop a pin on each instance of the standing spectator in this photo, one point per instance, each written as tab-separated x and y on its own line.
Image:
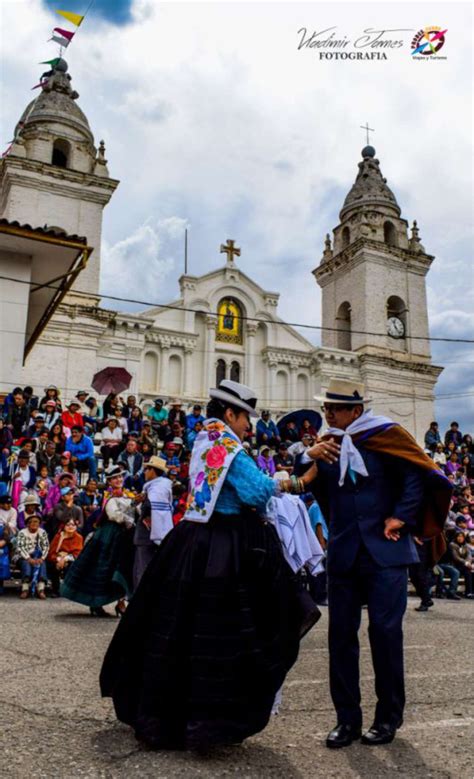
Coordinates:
65	547
196	416
71	417
50	393
33	548
462	560
132	460
18	415
176	414
440	456
129	406
453	435
267	431
265	461
81	449
432	437
111	441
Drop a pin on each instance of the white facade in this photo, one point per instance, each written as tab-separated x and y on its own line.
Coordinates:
372	271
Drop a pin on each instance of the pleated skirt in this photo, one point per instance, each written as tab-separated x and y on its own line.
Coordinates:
208	637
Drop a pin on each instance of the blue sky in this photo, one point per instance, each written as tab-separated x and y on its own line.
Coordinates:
113	11
214	120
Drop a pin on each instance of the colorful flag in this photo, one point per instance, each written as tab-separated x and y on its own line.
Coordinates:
62	41
73	18
66	33
53	62
41	84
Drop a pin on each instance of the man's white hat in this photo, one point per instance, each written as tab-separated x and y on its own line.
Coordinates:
344	392
237	394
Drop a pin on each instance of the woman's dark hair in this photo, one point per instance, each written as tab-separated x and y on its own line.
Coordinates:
217	408
140	412
460	533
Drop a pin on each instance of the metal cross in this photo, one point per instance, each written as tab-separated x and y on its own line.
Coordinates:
367	129
230	250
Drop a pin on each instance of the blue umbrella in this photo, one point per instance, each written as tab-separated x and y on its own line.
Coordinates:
298	418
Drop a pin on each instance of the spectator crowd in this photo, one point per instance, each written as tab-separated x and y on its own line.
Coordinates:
54	456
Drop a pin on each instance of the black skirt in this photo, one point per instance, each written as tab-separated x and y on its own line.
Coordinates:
209	636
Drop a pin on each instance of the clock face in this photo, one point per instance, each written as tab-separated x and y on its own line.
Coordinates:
395	327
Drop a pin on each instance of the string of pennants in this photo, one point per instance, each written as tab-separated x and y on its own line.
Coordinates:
63	37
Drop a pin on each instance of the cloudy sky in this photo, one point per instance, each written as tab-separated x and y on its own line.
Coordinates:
214	120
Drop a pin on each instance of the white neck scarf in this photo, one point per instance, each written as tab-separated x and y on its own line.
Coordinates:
350	457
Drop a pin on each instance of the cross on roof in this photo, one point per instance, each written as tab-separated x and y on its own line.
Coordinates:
230	249
367	129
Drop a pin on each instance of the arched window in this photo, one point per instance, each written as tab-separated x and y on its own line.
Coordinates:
343	326
61	151
150	371
281	389
235	371
220	371
390	234
174	374
346	237
229	321
301	388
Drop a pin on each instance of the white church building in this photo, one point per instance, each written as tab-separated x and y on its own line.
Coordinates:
372	277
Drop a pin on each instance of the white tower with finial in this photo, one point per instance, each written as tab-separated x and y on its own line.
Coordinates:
374	297
54	175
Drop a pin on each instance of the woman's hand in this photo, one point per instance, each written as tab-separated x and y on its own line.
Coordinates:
328	451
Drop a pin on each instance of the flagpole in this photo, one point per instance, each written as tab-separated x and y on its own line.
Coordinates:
186	251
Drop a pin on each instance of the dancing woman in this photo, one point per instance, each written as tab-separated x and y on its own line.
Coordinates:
215	624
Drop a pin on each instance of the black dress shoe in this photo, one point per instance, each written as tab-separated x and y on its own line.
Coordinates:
379	734
422	607
342	736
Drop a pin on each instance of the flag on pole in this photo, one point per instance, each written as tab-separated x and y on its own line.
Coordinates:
64	42
53	62
66	33
41	84
73	18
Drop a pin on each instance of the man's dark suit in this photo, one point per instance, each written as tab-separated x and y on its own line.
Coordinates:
365	567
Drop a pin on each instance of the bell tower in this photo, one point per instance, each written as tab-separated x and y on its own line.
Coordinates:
55	176
372	275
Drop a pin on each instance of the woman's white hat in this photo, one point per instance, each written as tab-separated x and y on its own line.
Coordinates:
344	392
237	394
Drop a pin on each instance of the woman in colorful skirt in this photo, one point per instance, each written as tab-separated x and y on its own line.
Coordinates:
216	622
103	571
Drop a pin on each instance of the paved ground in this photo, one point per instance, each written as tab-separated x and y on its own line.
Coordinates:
54	724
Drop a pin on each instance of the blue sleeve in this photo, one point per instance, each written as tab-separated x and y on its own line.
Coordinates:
411	498
253	488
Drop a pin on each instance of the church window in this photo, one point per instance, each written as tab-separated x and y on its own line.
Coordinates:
346	237
343	327
174	374
61	150
150	371
235	371
301	388
220	371
281	389
390	234
229	321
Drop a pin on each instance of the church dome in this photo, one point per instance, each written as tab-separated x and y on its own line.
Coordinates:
56	105
370	187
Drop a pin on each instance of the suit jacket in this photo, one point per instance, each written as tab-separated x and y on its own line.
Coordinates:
357	511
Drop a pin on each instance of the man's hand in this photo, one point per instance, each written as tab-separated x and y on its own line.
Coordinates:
310	474
328	451
392	528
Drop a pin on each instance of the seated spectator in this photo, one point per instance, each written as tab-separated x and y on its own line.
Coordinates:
461	557
4	551
176	414
93	414
121	420
8	402
283	460
33	548
193	434
63	511
4	473
6	438
8	515
71	417
66	466
452	464
36	426
51	414
89	499
32	505
111	441
297	451
65	547
465	516
133	462
291	433
31	399
453	435
61	482
466	464
43	484
307	429
439	455
147	451
81	397
432	437
135	420
196	416
267	431
49	458
171	455
146	435
110	403
81	449
57	435
128	407
265	461
18	416
467	441
157	414
50	393
23	477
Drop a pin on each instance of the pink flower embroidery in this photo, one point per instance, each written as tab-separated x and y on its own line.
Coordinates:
216	456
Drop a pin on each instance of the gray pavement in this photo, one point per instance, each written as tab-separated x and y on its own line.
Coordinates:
54	723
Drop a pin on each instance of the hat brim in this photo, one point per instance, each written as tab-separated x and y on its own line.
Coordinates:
349	402
219	394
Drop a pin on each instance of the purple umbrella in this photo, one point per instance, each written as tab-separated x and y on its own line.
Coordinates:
111	380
